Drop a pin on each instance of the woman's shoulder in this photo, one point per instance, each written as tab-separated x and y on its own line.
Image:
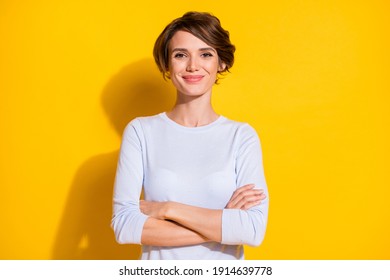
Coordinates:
140	123
145	120
244	132
240	126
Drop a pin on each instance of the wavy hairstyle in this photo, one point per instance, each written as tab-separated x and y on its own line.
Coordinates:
202	25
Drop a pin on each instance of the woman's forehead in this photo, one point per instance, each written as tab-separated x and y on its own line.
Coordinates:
186	41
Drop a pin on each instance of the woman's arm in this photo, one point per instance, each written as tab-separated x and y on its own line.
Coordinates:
133	224
127	220
130	225
244	219
247	227
207	223
168	233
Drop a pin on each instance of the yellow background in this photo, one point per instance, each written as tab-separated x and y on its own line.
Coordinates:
311	76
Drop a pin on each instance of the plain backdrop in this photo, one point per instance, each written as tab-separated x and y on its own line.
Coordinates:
310	76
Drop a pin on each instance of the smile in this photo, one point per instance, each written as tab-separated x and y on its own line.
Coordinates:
192	78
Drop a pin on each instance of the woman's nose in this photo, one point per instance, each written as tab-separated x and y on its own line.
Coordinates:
192	65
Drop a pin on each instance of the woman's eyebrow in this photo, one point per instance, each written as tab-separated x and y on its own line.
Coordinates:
207	49
179	50
185	50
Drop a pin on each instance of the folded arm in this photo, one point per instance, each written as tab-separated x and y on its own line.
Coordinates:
194	224
158	232
174	224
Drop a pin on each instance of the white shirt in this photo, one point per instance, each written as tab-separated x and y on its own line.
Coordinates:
199	166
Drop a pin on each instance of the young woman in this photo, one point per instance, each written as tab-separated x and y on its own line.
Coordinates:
202	174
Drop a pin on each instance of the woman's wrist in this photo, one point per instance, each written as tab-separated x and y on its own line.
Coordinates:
168	210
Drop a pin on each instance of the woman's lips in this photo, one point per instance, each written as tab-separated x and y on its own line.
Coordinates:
192	78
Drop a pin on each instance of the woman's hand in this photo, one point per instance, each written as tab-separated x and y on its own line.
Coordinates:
245	197
154	209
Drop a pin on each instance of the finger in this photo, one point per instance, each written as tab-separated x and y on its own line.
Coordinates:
247	200
255	202
246	195
143	206
242	199
251	204
242	189
238	204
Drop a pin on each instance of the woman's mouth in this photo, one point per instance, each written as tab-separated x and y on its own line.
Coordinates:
192	78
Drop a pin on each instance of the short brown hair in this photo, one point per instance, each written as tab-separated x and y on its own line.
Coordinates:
202	25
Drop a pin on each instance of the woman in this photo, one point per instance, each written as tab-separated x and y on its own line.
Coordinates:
202	175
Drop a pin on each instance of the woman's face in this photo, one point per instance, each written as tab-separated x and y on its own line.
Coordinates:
193	65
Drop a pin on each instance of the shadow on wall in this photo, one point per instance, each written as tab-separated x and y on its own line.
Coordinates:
84	231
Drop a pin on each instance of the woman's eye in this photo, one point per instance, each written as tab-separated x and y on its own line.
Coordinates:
207	54
179	55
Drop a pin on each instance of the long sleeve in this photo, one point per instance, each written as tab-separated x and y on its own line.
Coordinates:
196	166
127	220
240	226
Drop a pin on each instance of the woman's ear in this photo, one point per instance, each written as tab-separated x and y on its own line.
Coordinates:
221	67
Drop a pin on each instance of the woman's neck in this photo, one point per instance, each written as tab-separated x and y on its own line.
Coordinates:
193	112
